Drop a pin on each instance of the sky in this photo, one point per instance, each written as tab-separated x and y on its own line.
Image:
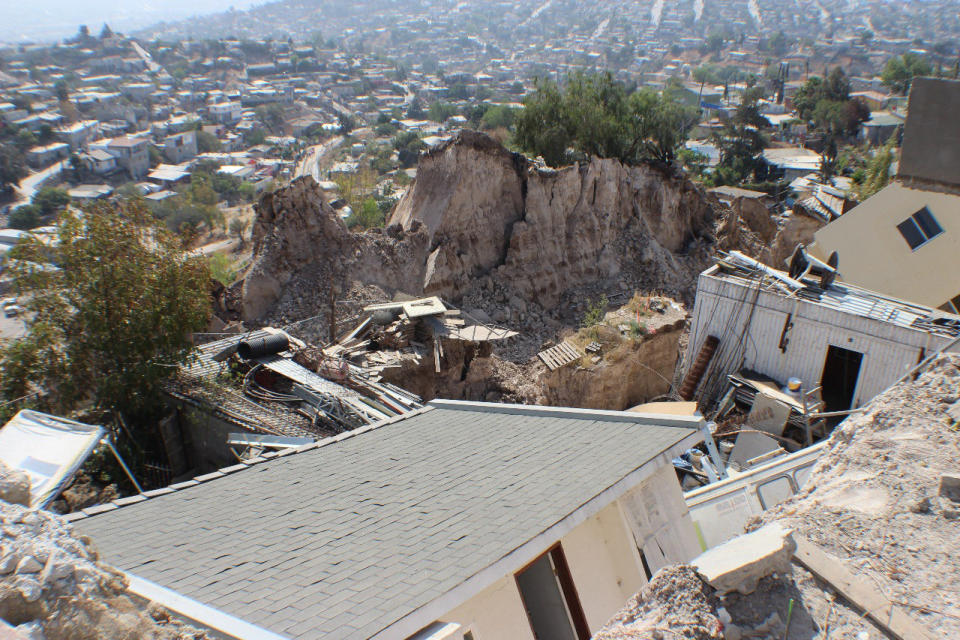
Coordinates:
49	20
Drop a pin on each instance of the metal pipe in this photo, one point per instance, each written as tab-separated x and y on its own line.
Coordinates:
123	464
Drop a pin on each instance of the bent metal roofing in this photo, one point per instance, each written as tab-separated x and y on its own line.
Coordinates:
360	535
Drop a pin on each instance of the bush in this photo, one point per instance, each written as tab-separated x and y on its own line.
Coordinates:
596	311
50	200
25	217
221	269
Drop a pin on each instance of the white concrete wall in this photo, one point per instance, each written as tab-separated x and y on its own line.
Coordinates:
603	560
604	564
723	308
495	613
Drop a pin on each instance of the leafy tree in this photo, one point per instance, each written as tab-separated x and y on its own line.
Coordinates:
26	216
415	111
368	216
408	145
271	115
49	200
207	142
594	115
61	89
441	111
740	142
900	71
12	166
499	116
113	321
238	227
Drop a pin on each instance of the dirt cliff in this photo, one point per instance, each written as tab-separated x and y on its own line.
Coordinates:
542	231
479	214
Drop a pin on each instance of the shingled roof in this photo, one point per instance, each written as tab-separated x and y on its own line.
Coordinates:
359	534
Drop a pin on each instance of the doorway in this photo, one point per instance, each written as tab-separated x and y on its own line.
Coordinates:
841	371
550	599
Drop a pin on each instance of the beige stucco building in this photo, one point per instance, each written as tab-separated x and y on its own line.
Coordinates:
889	245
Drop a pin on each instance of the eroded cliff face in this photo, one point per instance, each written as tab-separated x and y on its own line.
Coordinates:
542	232
479	219
302	249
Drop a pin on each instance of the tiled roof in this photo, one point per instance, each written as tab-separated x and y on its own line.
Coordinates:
349	535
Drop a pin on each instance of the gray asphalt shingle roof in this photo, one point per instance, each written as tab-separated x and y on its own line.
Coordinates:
342	540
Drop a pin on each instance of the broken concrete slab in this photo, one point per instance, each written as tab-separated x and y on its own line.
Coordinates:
950	486
739	564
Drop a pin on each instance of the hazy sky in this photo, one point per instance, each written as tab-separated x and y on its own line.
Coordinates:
24	20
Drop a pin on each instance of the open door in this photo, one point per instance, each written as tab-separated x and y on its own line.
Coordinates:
550	599
841	371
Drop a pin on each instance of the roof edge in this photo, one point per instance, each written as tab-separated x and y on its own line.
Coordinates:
197	613
601	415
528	551
95	510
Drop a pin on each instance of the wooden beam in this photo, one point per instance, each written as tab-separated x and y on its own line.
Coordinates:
892	618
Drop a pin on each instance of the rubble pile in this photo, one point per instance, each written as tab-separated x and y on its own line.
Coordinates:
881	506
52	586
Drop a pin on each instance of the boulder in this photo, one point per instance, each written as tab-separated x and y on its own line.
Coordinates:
14	486
739	564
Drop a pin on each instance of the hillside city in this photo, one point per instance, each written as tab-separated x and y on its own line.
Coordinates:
447	320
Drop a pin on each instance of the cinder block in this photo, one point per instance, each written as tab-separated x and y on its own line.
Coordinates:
737	565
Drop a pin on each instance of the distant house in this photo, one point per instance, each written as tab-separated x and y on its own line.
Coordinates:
881	125
482	520
47	155
225	112
792	162
99	161
78	134
180	147
132	155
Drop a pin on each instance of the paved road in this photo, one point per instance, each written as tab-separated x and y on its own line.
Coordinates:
314	156
32	183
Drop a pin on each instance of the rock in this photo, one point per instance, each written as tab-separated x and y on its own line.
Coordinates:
30	631
29	564
8	563
518	305
921	506
737	565
950	486
480	316
14	486
732	632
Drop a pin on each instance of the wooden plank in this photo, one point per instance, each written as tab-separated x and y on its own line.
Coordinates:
892	618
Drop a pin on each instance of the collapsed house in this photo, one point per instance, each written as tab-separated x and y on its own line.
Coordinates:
266	389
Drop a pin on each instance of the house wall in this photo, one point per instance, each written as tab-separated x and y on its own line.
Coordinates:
603	560
723	309
874	255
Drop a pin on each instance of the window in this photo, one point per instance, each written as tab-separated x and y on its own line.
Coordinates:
919	228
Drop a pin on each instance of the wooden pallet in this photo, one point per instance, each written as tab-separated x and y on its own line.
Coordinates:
560	355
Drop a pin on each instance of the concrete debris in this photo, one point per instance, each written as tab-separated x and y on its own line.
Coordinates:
738	565
14	486
950	486
52	586
874	508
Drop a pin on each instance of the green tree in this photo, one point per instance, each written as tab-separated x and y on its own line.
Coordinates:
368	216
207	142
50	200
594	115
877	173
26	216
900	71
238	227
12	167
113	321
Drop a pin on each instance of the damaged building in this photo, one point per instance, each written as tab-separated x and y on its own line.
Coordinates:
849	342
